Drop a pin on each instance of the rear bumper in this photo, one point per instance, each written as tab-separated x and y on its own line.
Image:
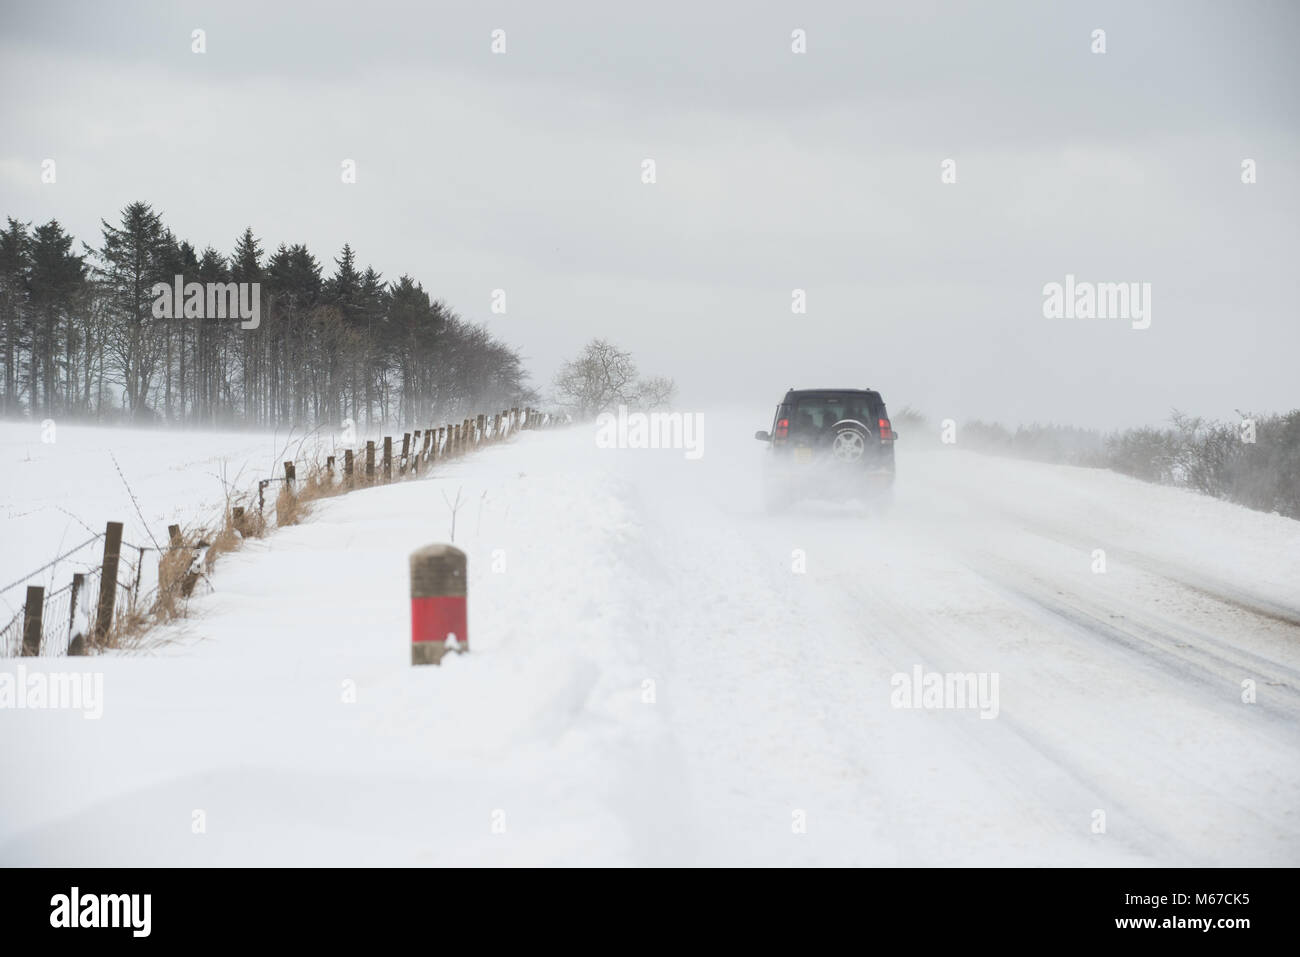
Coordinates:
822	476
814	462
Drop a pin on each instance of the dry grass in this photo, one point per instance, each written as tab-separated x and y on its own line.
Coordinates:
321	483
129	625
233	533
135	618
177	579
289	508
173	570
293	504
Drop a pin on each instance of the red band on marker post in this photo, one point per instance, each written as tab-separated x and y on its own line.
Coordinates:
433	618
438	608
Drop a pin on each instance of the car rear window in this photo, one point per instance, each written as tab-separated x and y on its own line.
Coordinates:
813	413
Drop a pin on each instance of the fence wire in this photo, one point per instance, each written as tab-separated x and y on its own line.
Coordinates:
70	611
11	637
50	564
65	613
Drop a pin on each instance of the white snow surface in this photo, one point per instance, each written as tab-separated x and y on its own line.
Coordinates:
56	494
771	737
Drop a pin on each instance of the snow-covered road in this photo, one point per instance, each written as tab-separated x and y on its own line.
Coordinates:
663	674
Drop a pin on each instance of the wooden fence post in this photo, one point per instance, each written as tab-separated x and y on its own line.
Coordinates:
173	545
78	581
76	643
32	613
370	461
289	475
108	579
329	465
347	467
237	518
406	451
388	458
482	436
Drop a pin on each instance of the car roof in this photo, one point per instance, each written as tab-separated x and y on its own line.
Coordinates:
832	392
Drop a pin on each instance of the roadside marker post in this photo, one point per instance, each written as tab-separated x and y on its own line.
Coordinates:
438	612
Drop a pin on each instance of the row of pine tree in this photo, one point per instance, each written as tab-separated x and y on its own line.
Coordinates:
78	336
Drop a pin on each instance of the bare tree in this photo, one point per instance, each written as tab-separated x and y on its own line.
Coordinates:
604	376
655	392
601	377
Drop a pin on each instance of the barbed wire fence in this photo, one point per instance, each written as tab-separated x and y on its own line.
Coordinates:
58	605
104	595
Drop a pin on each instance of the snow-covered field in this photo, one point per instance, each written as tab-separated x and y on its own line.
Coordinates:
60	487
662	674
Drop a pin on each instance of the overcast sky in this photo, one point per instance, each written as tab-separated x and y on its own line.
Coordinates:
775	171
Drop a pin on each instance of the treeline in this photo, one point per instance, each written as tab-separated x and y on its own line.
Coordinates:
80	335
1254	461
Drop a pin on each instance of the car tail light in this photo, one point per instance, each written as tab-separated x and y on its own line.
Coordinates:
782	429
886	431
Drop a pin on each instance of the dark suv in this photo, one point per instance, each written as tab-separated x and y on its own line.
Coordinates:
829	443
